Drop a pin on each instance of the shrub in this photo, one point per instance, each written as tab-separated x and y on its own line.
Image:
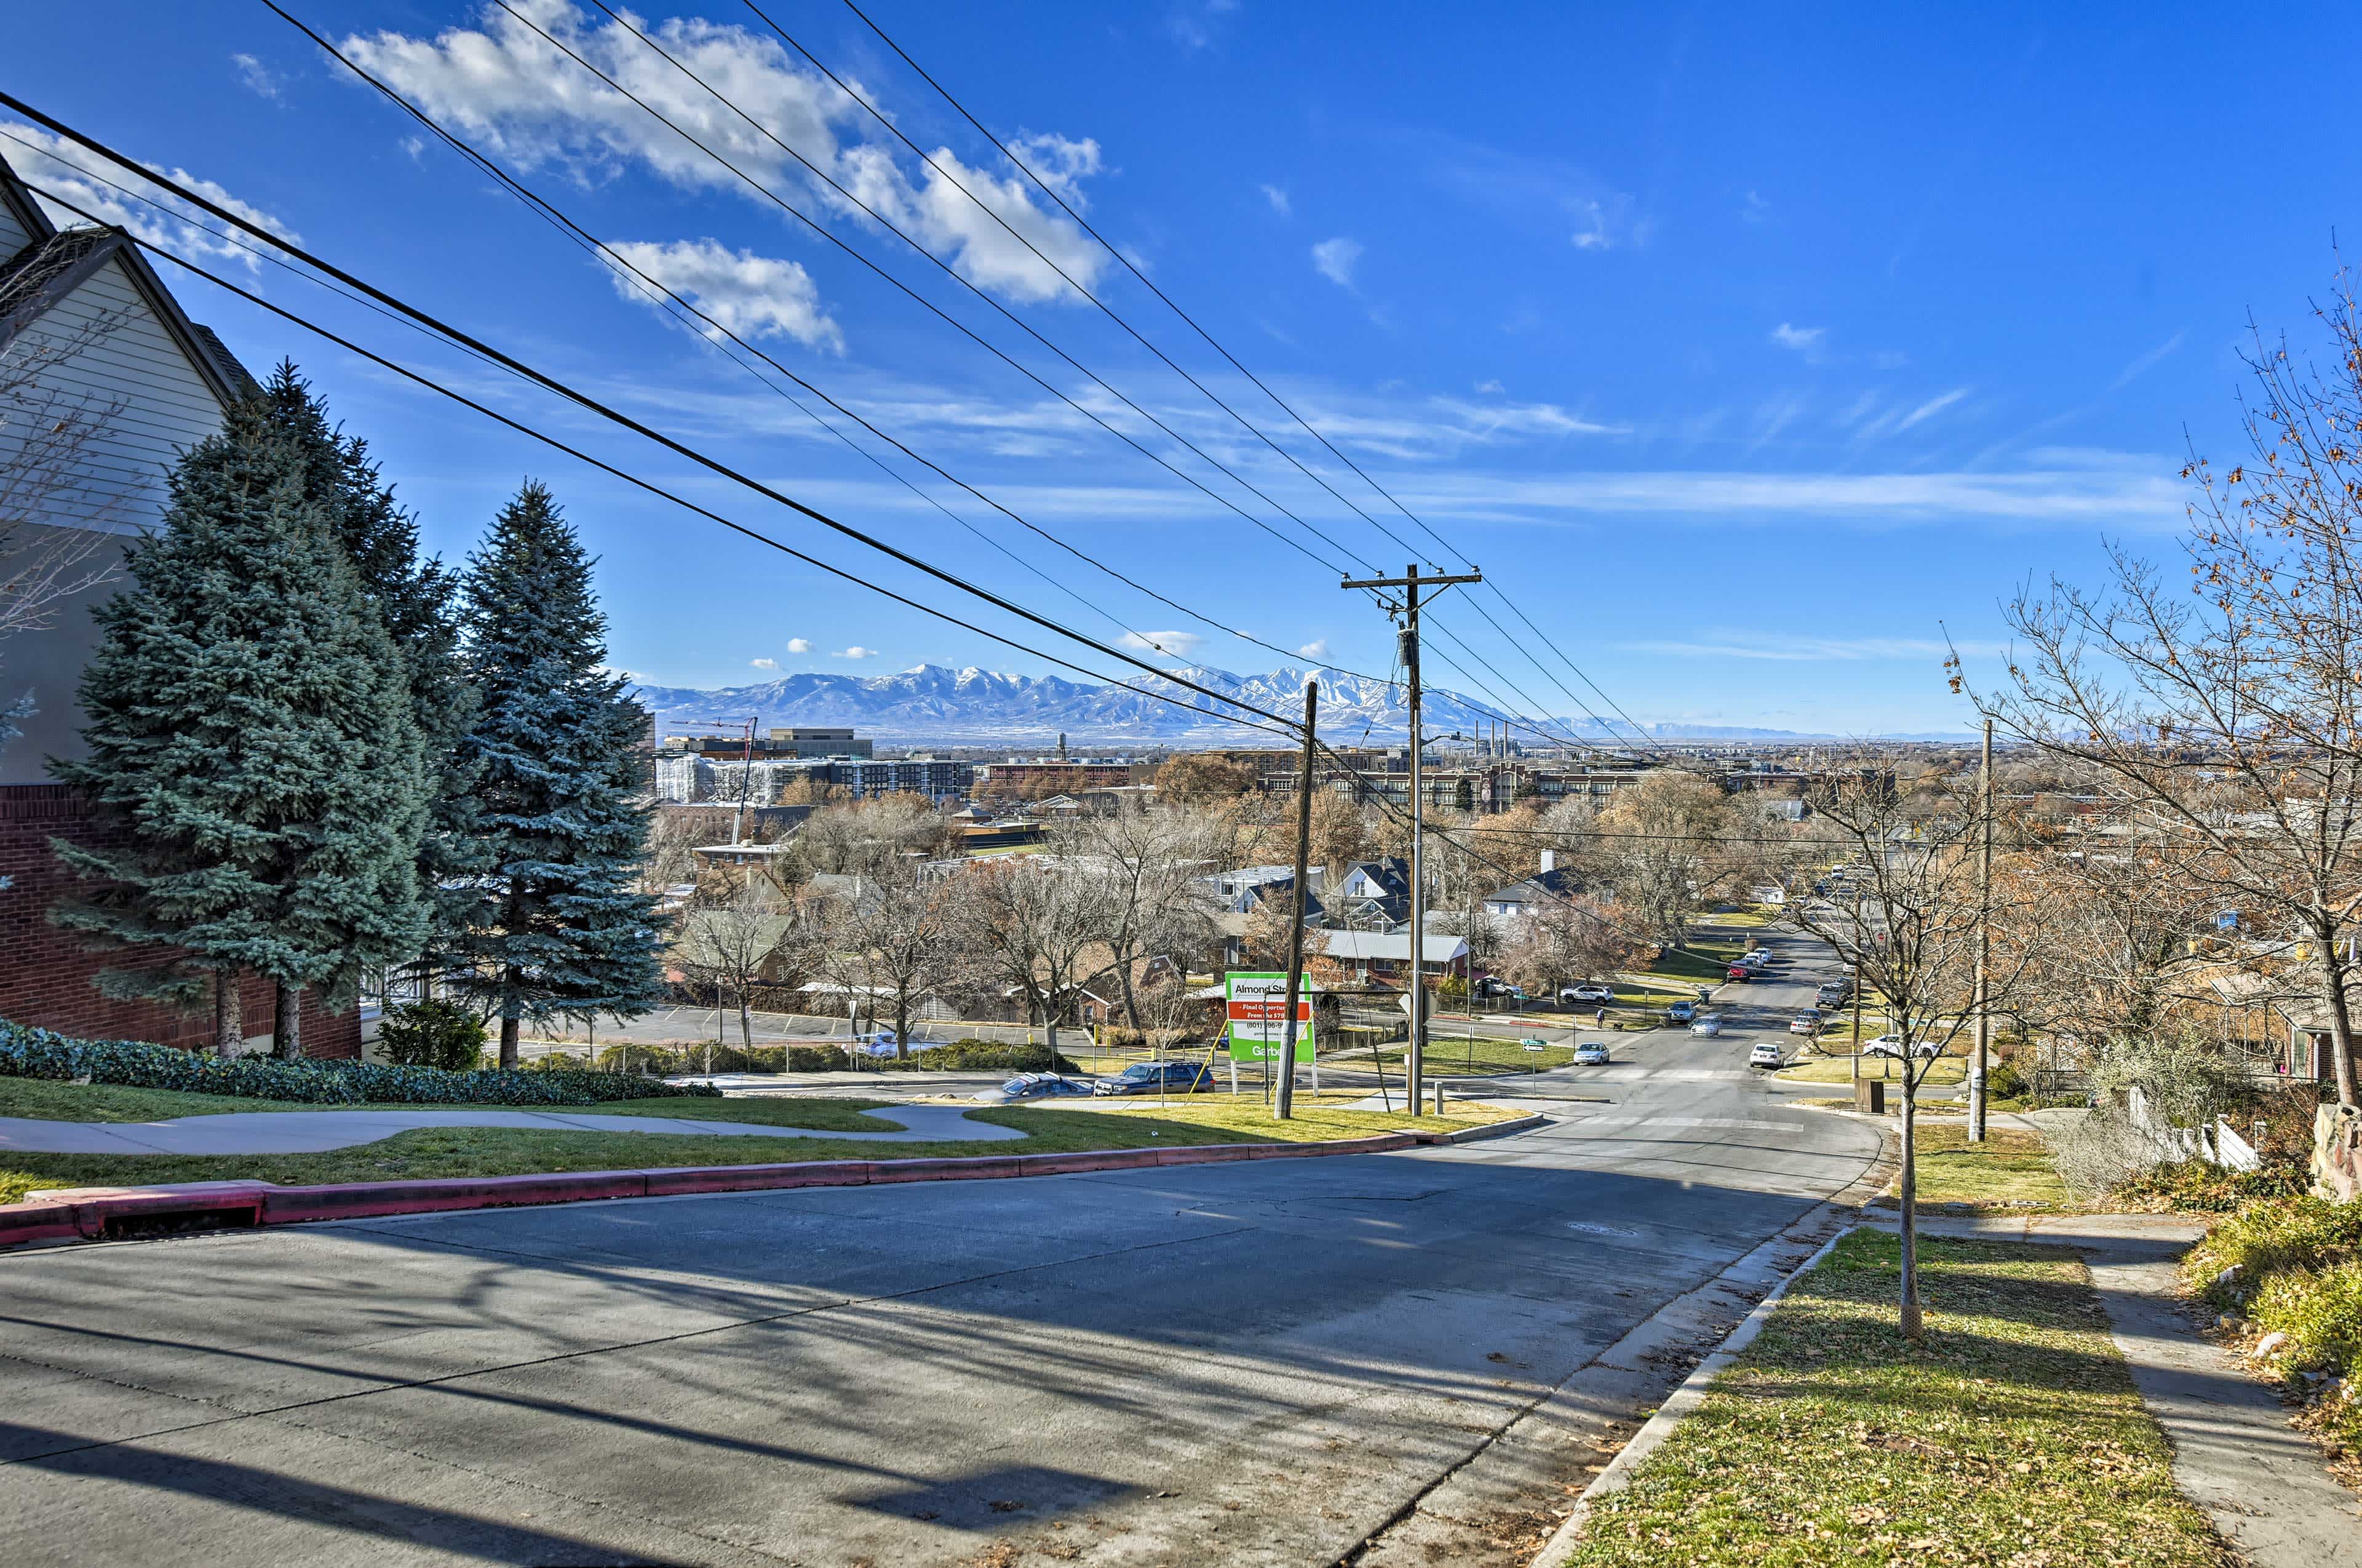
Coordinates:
2321	1312
43	1053
2004	1081
2299	1233
430	1034
2196	1186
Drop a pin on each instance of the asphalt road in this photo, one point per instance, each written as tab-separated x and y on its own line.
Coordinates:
1253	1363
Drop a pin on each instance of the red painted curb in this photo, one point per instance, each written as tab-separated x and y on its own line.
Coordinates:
90	1213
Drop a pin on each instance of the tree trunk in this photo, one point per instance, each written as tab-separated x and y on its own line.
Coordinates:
1912	1328
509	1038
901	1025
1123	976
1050	1027
2341	1025
746	1020
287	1024
229	1019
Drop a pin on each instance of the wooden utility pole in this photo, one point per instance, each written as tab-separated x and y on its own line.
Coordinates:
1410	583
746	782
1286	1108
1980	1064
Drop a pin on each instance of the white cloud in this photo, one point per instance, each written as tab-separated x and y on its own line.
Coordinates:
256	75
1317	650
1932	407
1181	642
1790	647
750	295
1798	337
1594	233
855	651
798	645
1755	209
1490	386
1336	259
77	175
764	663
1278	198
2146	362
506	86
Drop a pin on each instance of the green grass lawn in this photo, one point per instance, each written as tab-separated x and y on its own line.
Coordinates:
501	1151
1946	1070
1480	1056
55	1102
2011	1166
2014	1436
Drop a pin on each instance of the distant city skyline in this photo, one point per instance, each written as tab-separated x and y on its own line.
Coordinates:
1758	362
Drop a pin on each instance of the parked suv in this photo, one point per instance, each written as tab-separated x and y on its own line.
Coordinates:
1834	994
1588	991
1680	1011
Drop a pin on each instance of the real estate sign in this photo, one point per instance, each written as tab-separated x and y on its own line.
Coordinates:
1258	1009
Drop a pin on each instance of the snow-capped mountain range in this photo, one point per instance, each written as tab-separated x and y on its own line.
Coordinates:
981	707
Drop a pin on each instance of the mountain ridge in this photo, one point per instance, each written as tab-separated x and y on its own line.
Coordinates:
932	704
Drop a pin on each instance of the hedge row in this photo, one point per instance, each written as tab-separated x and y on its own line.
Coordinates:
970	1055
2292	1267
31	1052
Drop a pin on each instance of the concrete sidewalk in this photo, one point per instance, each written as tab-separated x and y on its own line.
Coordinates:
310	1131
2262	1482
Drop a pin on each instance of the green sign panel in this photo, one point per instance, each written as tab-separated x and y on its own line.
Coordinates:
1258	1015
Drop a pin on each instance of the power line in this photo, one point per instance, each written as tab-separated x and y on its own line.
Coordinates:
650	486
585	401
952	272
1126	261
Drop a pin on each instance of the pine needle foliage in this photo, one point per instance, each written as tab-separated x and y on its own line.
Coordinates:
417	602
560	928
250	724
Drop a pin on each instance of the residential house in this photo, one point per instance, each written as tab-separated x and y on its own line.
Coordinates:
1371	895
1521	898
103	382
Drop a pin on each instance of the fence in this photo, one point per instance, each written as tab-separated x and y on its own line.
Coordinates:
2216	1142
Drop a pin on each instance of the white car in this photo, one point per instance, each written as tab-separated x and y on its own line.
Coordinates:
1706	1026
1588	992
1757	959
1891	1046
1764	1055
1591	1053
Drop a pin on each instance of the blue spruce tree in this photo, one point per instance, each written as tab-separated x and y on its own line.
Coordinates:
251	731
417	601
560	928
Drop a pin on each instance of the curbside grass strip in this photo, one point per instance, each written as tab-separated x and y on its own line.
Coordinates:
86	1213
1560	1548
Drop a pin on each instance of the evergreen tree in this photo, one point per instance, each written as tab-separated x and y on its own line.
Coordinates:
560	930
250	728
416	601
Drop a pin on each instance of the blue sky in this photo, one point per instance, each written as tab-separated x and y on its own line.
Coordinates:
1748	350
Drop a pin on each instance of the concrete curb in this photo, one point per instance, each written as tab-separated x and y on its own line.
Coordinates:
1560	1548
90	1214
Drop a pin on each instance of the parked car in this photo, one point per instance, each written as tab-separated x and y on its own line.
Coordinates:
1759	959
1765	1055
1151	1078
1587	991
1806	1023
1740	972
1710	1024
1591	1053
1037	1085
1891	1046
1837	993
1680	1011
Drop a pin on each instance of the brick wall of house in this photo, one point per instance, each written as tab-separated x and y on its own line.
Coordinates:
45	974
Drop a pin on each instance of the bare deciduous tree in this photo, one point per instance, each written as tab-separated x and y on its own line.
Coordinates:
1907	924
1034	925
2226	716
894	937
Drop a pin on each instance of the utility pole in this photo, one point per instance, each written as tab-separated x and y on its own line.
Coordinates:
1286	1106
746	782
1411	583
1984	942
